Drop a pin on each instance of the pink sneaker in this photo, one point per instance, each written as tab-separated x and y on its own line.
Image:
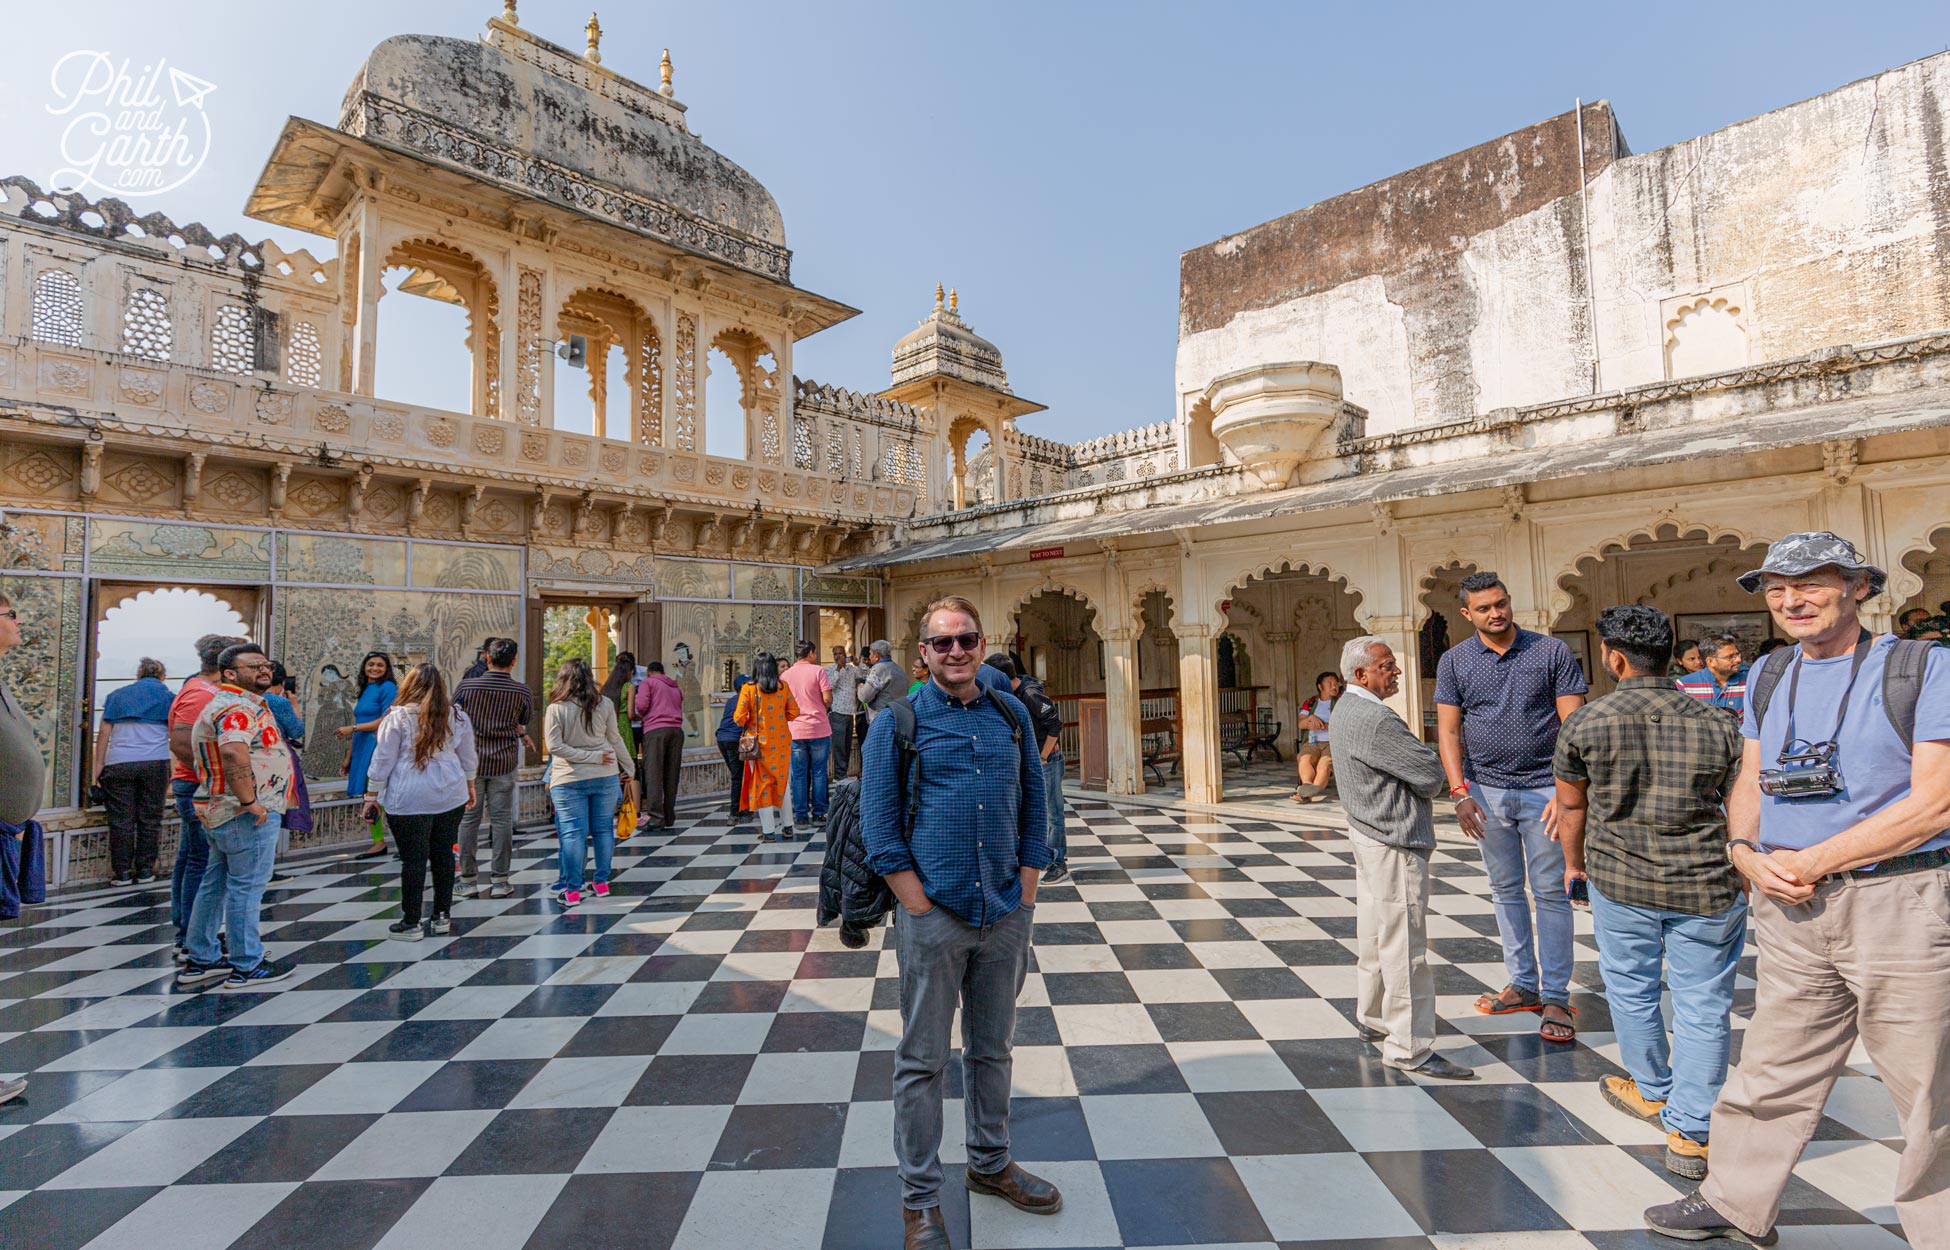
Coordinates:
601	889
571	898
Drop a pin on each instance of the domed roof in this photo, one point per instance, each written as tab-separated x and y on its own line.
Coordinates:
943	343
517	110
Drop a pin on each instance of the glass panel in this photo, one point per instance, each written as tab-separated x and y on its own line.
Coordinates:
47	543
706	644
693	579
765	581
158	549
466	568
341	560
322	634
40	672
852	592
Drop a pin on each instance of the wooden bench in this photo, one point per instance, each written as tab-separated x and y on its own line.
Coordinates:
1158	743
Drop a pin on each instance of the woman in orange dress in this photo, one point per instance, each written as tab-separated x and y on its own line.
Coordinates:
766	708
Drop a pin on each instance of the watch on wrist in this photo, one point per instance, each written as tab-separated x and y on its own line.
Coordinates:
1750	845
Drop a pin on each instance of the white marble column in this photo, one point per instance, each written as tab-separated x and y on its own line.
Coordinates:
1121	712
1198	711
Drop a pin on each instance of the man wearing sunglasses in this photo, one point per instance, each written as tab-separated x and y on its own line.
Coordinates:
963	858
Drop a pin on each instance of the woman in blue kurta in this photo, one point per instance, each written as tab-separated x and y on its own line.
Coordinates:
377	690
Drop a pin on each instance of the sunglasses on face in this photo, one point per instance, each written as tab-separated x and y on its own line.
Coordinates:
9	614
947	642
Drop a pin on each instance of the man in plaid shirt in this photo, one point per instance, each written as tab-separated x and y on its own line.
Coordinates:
1642	779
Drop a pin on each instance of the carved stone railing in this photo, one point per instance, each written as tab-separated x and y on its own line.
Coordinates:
1128	455
109	390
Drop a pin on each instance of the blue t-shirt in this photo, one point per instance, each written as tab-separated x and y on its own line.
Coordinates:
1874	762
1509	706
992	678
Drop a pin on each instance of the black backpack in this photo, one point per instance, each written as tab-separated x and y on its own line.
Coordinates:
1902	683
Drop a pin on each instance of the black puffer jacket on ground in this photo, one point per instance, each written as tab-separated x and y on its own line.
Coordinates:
849	890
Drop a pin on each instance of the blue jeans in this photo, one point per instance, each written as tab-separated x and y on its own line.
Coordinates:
585	812
1516	846
1700	954
809	774
241	853
1053	782
192	853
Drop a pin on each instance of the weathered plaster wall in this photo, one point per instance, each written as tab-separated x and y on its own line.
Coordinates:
1821	223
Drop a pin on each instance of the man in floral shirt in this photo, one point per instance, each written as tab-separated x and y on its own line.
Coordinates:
244	779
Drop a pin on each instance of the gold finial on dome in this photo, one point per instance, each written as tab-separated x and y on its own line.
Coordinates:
665	68
508	13
954	302
937	297
595	32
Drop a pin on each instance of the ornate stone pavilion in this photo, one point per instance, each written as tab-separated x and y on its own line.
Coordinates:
1609	377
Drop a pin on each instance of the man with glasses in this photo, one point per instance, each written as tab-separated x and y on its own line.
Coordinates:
244	782
956	826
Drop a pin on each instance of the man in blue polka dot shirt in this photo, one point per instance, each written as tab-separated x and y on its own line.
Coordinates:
1500	697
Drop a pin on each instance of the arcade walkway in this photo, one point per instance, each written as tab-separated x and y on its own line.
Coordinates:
689	1064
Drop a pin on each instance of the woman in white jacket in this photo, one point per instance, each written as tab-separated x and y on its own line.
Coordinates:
589	768
422	774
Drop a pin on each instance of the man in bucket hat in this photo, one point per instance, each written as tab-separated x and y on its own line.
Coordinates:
1840	823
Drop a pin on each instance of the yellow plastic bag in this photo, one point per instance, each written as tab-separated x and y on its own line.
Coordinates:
625	821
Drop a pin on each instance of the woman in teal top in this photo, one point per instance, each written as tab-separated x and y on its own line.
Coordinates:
377	690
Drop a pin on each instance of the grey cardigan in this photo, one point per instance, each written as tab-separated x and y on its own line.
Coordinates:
1386	775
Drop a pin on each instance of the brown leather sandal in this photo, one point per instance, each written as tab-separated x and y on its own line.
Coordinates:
1558	1030
1508	1001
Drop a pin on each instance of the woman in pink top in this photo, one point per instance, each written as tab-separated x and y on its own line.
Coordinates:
812	735
660	706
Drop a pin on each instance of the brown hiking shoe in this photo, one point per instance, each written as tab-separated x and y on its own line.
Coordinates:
1685	1157
1622	1092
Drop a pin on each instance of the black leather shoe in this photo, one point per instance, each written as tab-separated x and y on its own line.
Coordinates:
1018	1188
1443	1069
924	1229
1370	1035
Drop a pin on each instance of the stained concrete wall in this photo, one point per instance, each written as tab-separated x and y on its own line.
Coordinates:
1824	222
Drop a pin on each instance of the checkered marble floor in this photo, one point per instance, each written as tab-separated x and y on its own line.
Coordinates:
690	1064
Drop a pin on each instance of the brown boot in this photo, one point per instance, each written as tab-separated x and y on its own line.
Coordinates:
924	1229
1017	1188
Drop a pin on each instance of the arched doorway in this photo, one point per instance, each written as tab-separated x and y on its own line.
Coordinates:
1685	570
1282	627
1439	626
1926	612
1056	641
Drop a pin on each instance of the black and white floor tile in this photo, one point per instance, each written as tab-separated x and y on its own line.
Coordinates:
690	1064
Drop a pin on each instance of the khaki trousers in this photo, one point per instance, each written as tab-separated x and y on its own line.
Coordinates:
1861	958
1395	991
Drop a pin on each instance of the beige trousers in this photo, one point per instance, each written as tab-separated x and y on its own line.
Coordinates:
1861	958
1395	991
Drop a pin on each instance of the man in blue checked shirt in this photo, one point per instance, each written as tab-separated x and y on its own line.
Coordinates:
965	875
1723	680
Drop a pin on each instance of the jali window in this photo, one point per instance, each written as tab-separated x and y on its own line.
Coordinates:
146	329
58	308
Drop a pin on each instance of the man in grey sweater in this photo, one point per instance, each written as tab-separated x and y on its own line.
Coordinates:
1387	778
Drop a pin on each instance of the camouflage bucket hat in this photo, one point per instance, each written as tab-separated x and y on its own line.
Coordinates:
1802	553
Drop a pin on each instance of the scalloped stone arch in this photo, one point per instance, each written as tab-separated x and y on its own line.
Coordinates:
467	281
1707	531
1145	585
1263	569
1055	586
1904	584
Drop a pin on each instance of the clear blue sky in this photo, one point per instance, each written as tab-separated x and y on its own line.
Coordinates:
1049	159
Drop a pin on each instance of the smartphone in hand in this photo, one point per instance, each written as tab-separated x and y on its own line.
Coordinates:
1581	891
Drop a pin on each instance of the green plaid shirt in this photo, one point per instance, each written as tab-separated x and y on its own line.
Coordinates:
1659	764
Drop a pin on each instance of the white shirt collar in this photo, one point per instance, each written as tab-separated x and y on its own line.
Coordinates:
1362	691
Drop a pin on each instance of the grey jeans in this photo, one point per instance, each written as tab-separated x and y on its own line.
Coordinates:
494	799
944	960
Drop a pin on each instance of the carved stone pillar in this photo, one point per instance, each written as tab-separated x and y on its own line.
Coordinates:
1121	711
1198	711
365	343
1289	685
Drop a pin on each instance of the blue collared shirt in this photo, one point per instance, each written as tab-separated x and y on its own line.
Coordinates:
981	817
1509	705
1705	687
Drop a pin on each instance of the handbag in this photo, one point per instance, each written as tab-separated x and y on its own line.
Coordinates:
748	748
626	818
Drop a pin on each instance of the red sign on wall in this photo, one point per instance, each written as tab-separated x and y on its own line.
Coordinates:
1047	553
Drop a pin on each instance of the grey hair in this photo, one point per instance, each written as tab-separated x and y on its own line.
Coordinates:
882	648
1360	653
